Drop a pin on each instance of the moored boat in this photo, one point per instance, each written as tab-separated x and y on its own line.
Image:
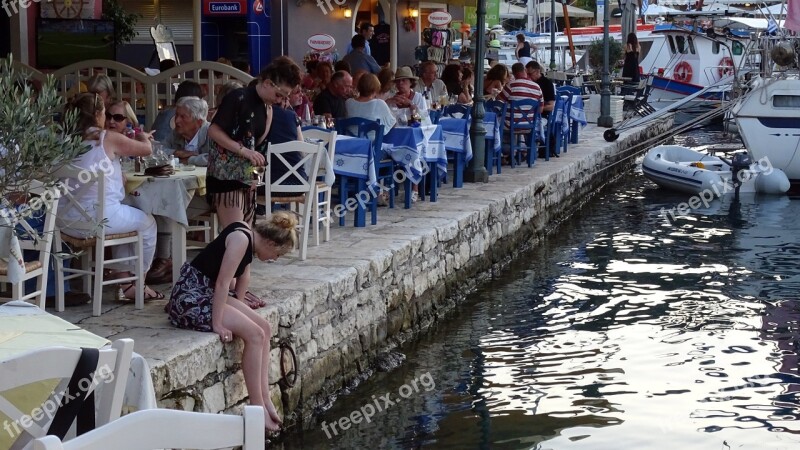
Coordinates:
687	170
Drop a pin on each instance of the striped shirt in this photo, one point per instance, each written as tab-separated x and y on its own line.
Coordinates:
519	89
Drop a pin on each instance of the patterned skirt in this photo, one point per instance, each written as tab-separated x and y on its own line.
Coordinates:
191	299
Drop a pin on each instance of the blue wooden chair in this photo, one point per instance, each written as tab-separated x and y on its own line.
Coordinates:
458	111
372	130
570	92
493	159
553	135
523	122
435	115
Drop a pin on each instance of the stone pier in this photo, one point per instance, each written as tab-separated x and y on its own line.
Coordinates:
369	289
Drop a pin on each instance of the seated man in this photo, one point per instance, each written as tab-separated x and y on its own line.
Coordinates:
330	102
163	124
189	139
520	88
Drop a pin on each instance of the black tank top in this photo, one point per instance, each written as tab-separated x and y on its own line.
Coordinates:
209	261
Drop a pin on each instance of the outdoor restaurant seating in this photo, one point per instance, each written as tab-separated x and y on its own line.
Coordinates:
93	260
35	269
383	165
524	122
457	111
39	378
571	92
168	428
322	199
493	151
292	188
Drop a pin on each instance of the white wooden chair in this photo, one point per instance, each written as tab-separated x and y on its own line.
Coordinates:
322	208
167	428
98	240
296	194
44	375
41	242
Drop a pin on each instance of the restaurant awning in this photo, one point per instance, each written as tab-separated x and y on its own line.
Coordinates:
511	11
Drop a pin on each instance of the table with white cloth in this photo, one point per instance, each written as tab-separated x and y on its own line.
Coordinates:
578	116
24	328
417	148
168	197
353	159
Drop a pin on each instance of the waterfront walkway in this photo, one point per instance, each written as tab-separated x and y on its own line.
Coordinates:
368	288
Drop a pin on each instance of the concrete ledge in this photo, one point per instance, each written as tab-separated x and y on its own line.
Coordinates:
369	289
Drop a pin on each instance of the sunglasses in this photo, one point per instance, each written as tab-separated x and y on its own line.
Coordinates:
116	117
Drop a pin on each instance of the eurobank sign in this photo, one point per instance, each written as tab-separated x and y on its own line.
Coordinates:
225	7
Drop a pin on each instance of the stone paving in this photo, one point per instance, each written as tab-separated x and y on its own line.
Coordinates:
368	288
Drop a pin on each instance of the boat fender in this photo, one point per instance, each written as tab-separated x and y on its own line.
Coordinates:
682	72
698	164
725	67
774	182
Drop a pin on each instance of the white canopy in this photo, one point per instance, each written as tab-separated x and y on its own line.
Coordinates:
775	10
510	11
722	7
658	10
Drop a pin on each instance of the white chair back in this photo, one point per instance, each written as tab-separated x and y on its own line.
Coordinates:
44	374
309	157
167	428
328	138
77	183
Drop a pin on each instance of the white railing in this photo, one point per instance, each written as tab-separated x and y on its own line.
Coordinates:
146	94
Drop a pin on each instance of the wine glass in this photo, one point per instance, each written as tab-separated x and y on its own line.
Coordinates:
260	171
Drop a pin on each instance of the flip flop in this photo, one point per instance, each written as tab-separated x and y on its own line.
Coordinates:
124	288
253	301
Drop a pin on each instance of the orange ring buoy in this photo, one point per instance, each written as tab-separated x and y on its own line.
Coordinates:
682	72
725	66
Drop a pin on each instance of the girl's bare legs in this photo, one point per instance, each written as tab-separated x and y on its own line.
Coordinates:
256	345
264	325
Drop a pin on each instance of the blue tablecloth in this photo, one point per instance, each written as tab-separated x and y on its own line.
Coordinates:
576	112
414	146
354	158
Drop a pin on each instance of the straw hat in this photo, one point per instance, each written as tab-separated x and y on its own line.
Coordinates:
403	73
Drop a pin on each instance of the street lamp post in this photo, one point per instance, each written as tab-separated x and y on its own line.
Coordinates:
476	171
605	120
552	34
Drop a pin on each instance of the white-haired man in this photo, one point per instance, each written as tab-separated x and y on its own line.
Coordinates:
189	139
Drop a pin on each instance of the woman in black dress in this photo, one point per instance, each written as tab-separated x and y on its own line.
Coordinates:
630	68
201	299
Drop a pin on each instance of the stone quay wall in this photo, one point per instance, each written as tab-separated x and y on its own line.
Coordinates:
370	289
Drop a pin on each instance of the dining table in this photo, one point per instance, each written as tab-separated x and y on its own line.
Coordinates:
170	197
25	328
420	150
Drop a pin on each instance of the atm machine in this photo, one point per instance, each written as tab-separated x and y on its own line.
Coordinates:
237	30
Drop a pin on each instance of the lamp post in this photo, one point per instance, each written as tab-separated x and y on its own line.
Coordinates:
605	120
476	171
552	34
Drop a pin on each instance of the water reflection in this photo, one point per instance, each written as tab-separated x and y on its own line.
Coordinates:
623	330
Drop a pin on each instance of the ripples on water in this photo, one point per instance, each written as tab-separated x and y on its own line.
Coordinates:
622	330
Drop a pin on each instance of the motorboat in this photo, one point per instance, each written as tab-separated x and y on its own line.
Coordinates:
687	170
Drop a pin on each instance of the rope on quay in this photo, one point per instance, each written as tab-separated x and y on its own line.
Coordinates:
638	148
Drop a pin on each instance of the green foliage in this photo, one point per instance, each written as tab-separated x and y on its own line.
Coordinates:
34	144
615	53
124	23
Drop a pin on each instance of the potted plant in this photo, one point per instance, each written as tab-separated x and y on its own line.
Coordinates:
615	53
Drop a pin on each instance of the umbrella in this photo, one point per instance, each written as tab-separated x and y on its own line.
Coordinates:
658	10
628	20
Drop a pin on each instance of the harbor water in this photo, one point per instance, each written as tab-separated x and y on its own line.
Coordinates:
622	329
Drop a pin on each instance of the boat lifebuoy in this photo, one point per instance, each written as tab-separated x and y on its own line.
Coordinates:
682	72
725	66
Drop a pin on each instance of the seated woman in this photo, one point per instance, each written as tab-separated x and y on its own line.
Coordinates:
467	86
119	115
105	151
299	101
386	76
368	106
231	85
451	75
102	85
495	80
200	299
406	97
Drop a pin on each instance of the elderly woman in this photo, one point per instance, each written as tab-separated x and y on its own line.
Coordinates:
189	139
102	85
105	150
119	115
369	107
406	97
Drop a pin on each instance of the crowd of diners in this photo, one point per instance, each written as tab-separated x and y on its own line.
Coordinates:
230	138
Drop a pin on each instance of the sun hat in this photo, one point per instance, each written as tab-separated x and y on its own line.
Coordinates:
403	73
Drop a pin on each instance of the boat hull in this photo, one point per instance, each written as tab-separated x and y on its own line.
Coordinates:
685	170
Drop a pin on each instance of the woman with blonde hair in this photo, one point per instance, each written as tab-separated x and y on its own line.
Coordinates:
102	85
119	115
201	300
366	105
386	77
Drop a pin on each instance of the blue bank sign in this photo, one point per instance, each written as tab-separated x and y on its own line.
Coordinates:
225	8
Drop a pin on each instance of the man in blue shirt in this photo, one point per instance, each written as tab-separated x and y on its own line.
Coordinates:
367	30
358	59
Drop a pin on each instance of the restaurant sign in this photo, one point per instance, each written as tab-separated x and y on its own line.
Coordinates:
439	18
225	7
321	42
